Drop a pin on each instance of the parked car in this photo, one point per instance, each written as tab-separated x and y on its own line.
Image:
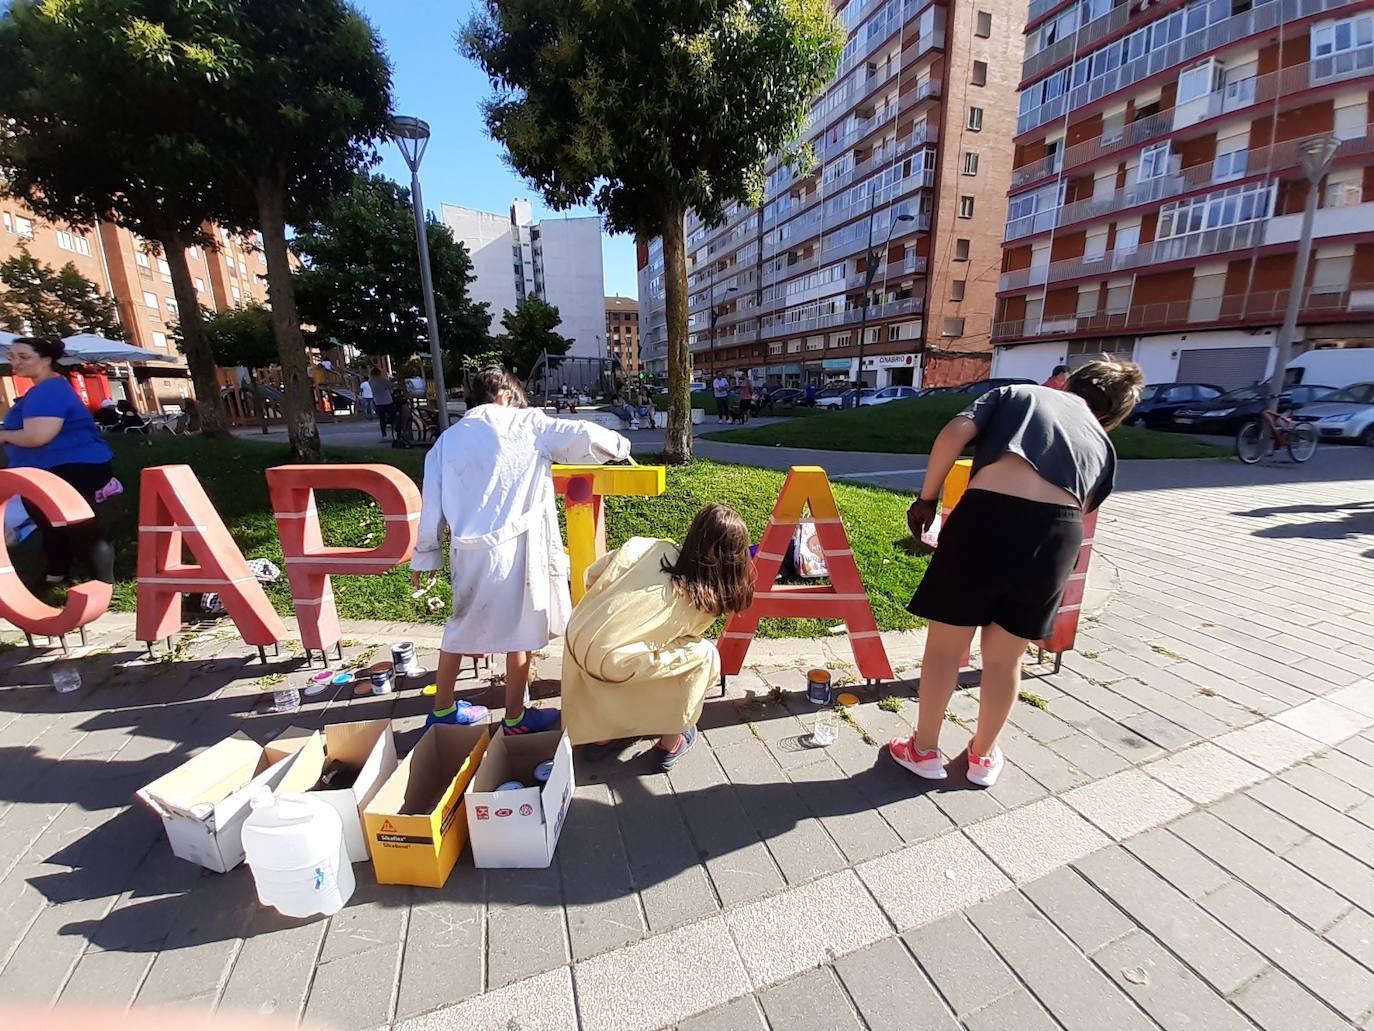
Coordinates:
1345	415
1233	409
889	394
1159	402
785	396
980	387
838	399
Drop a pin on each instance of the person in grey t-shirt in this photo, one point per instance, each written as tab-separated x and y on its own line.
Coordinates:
382	399
1041	458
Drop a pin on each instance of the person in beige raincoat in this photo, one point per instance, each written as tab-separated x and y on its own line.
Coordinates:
489	479
635	662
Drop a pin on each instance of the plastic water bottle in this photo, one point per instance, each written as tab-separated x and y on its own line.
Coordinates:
295	847
66	679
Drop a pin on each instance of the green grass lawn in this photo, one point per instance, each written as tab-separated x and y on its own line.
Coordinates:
232	474
910	428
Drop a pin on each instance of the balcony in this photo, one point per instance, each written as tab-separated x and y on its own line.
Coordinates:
892	270
781	324
1234	96
1040	7
1260	161
1086	35
1176	53
1175	248
799	230
1254	308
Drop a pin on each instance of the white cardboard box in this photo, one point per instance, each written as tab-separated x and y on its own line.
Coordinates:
204	801
367	745
519	828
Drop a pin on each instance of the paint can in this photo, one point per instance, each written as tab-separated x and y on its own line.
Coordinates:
403	657
380	675
818	687
544	771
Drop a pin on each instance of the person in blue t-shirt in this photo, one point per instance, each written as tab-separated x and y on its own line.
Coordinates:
49	428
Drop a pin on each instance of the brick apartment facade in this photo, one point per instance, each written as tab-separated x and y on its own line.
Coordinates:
119	263
1157	191
622	333
916	124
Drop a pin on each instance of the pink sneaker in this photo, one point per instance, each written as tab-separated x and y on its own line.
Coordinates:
924	764
984	770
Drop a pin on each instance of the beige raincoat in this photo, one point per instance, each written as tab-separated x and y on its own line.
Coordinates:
634	660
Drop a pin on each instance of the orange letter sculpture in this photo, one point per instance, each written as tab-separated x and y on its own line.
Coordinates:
173	510
846	599
62	504
309	562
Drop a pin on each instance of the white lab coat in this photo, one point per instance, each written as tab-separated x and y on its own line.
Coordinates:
488	479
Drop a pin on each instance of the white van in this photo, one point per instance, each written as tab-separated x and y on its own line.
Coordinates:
1332	366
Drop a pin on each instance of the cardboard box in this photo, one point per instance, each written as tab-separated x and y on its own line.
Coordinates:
368	746
416	824
520	828
204	801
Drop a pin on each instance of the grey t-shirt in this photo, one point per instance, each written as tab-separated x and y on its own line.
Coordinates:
381	390
1051	429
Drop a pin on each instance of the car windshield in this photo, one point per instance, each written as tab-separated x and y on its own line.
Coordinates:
1359	394
1148	394
1241	394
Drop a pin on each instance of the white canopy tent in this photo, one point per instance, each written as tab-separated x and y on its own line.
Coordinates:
88	347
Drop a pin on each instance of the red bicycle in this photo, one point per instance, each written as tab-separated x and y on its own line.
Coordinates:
1261	437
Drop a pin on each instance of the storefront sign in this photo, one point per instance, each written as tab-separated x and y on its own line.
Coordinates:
890	361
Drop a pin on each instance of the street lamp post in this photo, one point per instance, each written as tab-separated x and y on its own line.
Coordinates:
1316	155
412	137
870	273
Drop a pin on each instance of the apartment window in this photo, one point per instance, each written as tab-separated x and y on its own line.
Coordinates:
894	332
200	286
150	300
1118	296
1095	245
970	162
1341	47
164	268
956	289
871	336
843	340
1127	239
775	348
983	25
952	328
975	119
172	307
24	227
965	206
980	73
1195	83
961	249
1236	206
64	240
142	260
1331	273
1087	300
160	340
1113	127
1230	164
1345	188
1154	162
1351	117
238	297
83	246
194	252
1209	283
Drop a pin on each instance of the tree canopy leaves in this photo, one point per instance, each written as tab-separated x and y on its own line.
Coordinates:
530	332
54	302
360	281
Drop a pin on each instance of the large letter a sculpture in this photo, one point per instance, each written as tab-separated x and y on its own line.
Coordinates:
845	599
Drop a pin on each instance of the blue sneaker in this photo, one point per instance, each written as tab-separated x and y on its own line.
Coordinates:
667	760
461	714
533	721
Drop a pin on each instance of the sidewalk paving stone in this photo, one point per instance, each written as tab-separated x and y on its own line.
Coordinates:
813	1001
1175	997
1278	1003
890	990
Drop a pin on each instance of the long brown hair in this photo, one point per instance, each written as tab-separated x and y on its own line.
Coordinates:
713	570
1111	389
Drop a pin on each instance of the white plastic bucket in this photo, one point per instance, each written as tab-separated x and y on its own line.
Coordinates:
295	847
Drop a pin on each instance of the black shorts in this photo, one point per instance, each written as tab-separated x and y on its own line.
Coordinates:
1002	560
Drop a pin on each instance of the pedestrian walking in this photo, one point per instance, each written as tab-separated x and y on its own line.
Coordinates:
721	388
1041	459
746	398
382	398
365	394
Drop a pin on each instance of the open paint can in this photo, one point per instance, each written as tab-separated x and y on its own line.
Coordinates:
818	687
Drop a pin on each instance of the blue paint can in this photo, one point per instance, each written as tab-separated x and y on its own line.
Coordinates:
818	687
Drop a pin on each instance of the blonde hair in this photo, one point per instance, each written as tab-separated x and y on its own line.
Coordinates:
1111	389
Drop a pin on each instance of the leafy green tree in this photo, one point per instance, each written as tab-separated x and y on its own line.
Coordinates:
54	302
650	110
360	281
100	102
289	124
530	332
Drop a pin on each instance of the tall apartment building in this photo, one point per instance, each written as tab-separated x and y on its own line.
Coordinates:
911	145
558	259
622	333
1158	189
121	265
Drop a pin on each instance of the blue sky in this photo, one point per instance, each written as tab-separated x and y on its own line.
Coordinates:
463	165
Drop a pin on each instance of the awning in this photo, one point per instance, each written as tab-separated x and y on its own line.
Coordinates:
88	347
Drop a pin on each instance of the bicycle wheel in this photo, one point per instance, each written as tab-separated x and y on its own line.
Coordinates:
1302	442
1253	442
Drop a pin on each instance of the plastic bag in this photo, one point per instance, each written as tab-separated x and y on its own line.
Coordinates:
931	538
810	558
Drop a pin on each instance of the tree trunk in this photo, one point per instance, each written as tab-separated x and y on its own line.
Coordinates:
214	420
677	449
286	325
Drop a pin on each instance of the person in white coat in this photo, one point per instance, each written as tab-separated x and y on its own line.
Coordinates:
489	479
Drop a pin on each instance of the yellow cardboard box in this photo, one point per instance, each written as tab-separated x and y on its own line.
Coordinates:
416	824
